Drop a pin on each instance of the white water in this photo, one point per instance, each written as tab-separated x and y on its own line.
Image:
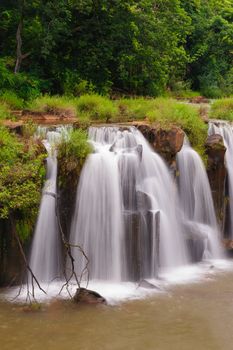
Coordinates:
225	129
45	257
122	291
127	219
123	184
197	204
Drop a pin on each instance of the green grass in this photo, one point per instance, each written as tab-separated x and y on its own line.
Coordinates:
4	112
54	105
165	112
222	109
10	99
96	107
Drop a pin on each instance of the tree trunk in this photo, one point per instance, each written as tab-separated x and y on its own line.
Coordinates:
19	46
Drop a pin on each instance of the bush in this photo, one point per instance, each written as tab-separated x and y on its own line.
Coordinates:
54	105
135	108
169	111
4	112
12	100
96	107
25	86
21	175
222	109
76	146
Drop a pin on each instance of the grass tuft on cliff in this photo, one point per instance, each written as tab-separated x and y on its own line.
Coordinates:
222	109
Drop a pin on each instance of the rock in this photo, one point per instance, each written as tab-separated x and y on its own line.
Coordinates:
86	296
16	127
199	99
147	285
166	142
216	170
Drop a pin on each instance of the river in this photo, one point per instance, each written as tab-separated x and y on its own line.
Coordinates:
193	316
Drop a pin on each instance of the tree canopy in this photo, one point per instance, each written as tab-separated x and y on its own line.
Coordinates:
138	47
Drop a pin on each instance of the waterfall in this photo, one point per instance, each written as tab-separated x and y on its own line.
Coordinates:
45	256
225	129
197	204
126	215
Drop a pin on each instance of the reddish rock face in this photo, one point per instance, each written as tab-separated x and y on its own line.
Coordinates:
216	170
165	142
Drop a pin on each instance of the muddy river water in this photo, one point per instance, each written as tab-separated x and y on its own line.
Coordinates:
196	316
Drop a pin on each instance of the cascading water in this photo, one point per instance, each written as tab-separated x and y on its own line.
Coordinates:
225	129
45	257
197	205
126	210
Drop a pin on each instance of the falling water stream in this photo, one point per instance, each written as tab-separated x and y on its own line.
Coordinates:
130	219
126	210
197	204
133	223
45	257
225	129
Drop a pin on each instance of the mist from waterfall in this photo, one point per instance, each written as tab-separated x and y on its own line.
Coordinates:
197	206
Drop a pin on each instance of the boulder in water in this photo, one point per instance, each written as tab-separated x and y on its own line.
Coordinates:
147	285
86	296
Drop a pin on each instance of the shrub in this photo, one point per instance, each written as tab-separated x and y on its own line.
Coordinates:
135	108
4	112
25	86
12	100
222	109
21	176
54	105
76	146
169	111
96	107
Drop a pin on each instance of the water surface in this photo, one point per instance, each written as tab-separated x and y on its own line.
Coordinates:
191	316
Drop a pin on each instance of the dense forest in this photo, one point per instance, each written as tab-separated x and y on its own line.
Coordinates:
143	47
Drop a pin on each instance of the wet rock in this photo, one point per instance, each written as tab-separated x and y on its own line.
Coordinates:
147	285
216	170
87	296
11	261
166	142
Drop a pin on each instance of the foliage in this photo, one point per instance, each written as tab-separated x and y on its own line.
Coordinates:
168	111
11	99
23	85
54	105
4	112
210	46
134	47
72	153
222	109
74	47
21	176
95	107
76	146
